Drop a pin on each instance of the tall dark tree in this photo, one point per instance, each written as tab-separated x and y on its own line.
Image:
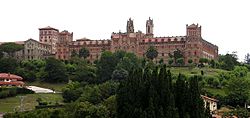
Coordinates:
10	48
196	104
1	54
247	58
56	71
151	53
181	97
84	52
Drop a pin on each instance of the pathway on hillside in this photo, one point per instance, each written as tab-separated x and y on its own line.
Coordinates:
39	89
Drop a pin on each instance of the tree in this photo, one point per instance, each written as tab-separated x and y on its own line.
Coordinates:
85	73
196	104
177	54
1	54
247	58
190	61
84	52
88	110
161	61
74	54
212	63
106	66
238	91
228	61
151	53
203	60
10	48
8	65
170	61
150	93
56	71
119	74
180	61
128	62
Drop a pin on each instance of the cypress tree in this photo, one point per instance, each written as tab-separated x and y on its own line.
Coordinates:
196	104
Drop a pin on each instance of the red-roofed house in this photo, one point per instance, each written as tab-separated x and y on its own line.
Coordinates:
7	79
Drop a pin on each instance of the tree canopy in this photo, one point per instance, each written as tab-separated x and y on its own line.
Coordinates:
84	52
10	48
151	53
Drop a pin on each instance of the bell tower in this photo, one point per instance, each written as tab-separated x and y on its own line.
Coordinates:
149	28
193	31
130	26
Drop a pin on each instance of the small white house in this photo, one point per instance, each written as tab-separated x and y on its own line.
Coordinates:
210	102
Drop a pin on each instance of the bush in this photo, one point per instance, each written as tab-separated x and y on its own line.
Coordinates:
9	92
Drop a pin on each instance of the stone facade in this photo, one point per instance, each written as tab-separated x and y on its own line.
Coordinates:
36	50
192	45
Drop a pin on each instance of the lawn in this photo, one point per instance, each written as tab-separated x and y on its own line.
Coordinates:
214	91
55	86
196	71
29	102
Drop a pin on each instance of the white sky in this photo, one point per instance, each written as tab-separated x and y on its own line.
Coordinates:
225	23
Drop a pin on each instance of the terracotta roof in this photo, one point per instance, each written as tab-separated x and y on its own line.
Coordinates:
9	76
12	83
208	98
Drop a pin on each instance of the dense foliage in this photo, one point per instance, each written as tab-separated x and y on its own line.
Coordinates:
13	91
10	48
120	84
150	93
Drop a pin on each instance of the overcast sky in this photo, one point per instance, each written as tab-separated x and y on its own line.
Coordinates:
225	23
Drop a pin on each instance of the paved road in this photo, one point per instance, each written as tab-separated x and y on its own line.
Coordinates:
40	89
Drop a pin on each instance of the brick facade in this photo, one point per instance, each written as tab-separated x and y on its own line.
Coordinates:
192	45
61	44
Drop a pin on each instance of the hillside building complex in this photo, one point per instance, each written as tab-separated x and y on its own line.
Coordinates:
61	44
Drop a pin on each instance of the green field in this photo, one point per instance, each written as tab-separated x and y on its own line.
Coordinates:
29	102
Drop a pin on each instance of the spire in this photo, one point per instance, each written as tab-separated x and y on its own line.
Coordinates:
149	27
130	26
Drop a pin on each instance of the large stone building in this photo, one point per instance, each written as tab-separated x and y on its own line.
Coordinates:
192	45
52	36
36	50
61	44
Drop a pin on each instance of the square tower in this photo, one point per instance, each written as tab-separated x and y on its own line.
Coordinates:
49	35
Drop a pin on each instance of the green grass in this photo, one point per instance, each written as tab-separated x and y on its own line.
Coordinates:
214	91
196	71
57	87
29	102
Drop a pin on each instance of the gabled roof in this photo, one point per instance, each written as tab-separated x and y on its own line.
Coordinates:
48	28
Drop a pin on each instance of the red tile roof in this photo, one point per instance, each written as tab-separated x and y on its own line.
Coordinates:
9	76
12	83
